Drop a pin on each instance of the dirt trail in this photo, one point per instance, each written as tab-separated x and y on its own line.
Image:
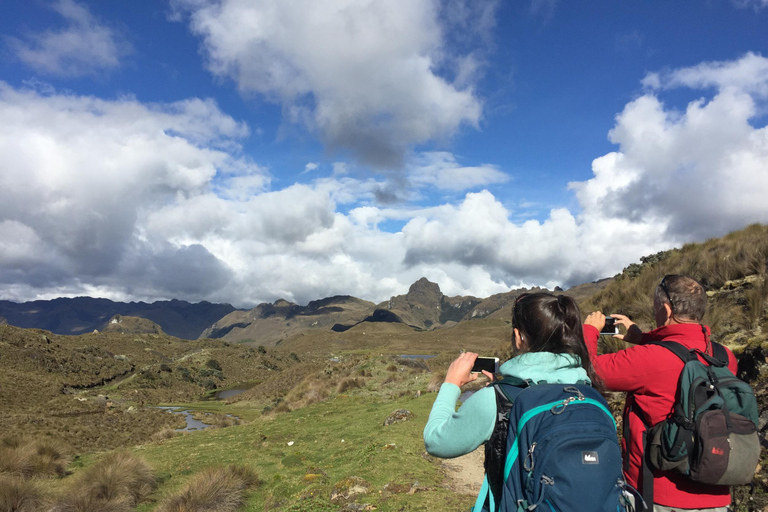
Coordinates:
465	473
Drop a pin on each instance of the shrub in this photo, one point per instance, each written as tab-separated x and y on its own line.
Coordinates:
219	489
19	495
213	364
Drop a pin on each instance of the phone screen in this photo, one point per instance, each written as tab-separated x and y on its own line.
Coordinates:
489	364
610	326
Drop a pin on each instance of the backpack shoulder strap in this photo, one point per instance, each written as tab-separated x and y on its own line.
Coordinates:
506	392
678	349
719	355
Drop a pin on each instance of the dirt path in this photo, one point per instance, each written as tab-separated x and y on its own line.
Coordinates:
465	473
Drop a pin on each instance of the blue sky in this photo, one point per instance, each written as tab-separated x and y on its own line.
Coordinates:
243	151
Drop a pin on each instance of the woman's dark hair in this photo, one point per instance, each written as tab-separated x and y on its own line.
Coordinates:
552	323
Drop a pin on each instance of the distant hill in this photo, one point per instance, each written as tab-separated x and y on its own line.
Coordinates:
268	324
132	325
85	314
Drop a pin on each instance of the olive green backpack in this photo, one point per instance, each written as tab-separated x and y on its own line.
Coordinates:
711	435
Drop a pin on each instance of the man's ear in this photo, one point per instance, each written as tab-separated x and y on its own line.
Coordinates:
668	311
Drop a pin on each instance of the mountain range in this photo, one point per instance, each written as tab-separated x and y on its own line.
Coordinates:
85	314
423	308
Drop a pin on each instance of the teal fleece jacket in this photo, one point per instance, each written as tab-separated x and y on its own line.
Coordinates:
450	433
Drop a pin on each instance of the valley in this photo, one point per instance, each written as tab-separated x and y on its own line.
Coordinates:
324	419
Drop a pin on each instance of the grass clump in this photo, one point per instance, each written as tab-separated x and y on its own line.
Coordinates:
18	495
219	489
117	482
32	459
349	383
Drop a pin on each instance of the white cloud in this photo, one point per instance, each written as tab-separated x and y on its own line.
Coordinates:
362	74
694	173
83	47
443	171
755	4
748	75
155	201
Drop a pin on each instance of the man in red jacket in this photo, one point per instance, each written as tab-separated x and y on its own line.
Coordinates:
649	374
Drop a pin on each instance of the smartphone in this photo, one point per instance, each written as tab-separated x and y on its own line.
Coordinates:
610	327
489	364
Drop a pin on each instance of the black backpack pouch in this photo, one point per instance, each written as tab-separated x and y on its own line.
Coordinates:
727	449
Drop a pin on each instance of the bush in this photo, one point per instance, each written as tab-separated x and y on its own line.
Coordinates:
219	489
213	364
19	495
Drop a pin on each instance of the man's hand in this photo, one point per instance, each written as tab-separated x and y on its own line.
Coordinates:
634	334
460	371
596	319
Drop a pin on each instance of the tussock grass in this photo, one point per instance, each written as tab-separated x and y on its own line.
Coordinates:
18	495
213	489
164	434
436	381
32	459
311	390
117	482
349	383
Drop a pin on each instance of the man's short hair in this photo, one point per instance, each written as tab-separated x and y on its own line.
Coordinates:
685	296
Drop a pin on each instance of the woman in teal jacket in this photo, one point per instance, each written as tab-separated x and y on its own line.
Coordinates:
548	346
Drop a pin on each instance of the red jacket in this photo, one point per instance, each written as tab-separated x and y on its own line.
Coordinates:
649	374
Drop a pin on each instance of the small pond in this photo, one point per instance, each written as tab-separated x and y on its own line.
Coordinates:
192	423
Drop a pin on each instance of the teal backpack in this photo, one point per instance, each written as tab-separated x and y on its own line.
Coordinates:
711	436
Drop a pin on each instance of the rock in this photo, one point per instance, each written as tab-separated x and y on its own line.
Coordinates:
358	507
348	489
398	415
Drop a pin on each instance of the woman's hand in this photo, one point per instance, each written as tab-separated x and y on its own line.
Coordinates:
459	372
634	333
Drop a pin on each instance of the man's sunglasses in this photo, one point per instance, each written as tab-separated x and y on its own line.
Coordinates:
665	289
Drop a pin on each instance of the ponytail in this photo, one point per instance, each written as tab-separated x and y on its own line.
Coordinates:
551	323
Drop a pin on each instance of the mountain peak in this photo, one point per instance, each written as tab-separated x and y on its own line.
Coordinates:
424	288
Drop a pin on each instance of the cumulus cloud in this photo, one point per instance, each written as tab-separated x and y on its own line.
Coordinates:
80	174
362	75
693	173
128	200
83	46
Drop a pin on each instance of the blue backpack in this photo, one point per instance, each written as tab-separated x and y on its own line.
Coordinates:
554	449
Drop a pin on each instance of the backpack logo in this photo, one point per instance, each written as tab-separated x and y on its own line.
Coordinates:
589	458
717	451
